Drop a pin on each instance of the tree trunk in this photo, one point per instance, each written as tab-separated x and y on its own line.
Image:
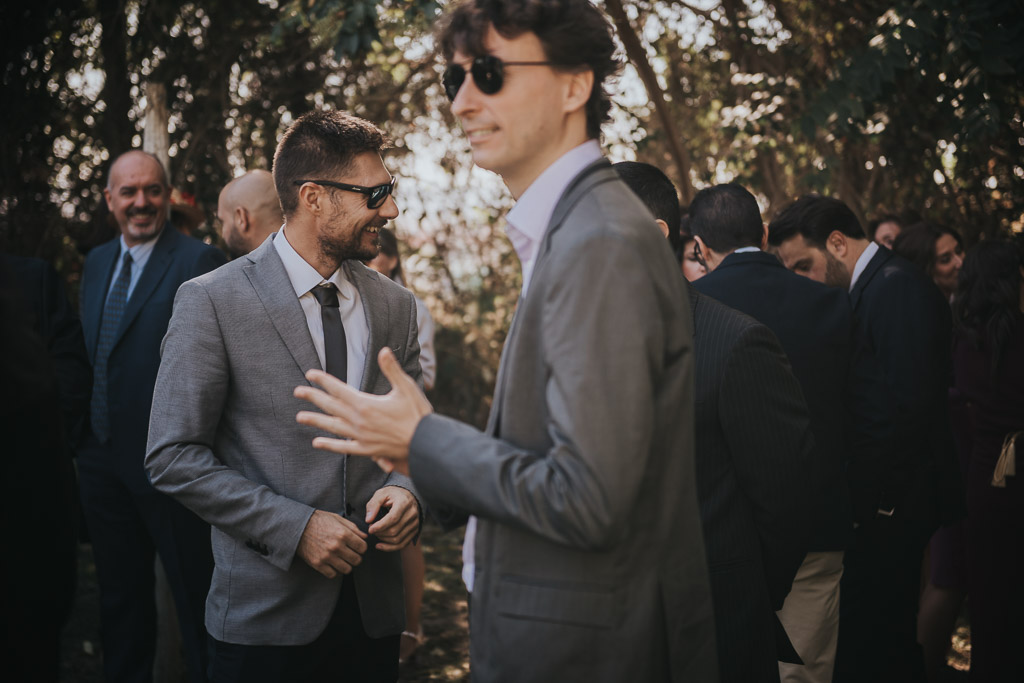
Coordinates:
155	138
169	666
638	56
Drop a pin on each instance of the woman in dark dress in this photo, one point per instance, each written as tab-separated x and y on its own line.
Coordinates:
937	250
988	360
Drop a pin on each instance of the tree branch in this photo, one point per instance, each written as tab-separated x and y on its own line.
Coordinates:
638	56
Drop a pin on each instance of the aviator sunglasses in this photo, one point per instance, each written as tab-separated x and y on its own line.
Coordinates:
488	75
375	196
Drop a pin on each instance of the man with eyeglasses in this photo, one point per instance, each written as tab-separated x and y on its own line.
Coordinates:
590	563
307	585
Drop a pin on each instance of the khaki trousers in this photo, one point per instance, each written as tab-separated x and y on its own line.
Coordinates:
810	616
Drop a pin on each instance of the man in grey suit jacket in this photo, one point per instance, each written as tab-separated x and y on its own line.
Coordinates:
590	563
224	442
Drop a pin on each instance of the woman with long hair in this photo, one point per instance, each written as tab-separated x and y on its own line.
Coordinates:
935	249
988	360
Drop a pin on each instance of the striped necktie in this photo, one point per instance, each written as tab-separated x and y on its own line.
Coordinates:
112	314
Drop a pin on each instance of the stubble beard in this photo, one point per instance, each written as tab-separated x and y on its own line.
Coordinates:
836	274
334	249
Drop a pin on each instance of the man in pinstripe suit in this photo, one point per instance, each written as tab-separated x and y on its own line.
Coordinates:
753	470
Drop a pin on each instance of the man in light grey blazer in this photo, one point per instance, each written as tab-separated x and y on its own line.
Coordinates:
590	563
305	586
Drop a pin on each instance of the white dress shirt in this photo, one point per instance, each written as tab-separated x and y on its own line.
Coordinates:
140	256
304	278
527	225
862	263
528	220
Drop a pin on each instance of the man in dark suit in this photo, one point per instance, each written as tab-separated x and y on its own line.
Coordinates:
128	286
589	560
754	474
843	387
43	364
913	485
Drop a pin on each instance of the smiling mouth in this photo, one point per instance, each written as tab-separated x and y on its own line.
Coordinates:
478	133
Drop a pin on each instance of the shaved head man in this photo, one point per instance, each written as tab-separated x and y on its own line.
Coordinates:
248	210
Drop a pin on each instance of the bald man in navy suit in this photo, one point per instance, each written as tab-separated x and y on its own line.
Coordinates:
128	287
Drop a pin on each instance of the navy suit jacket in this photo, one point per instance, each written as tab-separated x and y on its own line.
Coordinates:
754	449
135	356
842	382
908	325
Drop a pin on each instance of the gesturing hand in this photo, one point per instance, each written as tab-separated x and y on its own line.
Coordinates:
377	426
331	544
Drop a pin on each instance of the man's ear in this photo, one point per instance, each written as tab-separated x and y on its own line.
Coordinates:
312	196
764	237
663	226
242	221
579	87
836	244
107	196
703	255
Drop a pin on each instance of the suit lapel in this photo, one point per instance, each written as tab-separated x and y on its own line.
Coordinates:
596	173
874	265
99	281
376	312
157	265
268	277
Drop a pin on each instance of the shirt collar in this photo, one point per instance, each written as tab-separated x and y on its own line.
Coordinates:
303	276
862	263
528	220
141	251
746	250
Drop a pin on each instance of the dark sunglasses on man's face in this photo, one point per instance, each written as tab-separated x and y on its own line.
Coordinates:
375	196
488	75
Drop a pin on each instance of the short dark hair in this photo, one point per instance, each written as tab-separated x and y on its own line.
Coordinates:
657	193
814	217
917	244
726	217
575	36
321	145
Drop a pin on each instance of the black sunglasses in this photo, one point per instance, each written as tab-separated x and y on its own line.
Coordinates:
488	75
375	196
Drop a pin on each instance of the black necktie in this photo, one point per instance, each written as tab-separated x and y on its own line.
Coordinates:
335	348
113	311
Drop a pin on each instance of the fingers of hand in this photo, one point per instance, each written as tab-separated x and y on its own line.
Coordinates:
343	446
328	423
328	403
330	383
374	505
391	369
331	544
389	465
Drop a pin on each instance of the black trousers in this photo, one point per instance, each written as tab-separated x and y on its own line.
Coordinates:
878	601
343	652
127	529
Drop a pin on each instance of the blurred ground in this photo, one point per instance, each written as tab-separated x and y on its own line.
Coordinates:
444	656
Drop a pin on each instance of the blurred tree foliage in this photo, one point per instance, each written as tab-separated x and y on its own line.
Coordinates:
893	106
